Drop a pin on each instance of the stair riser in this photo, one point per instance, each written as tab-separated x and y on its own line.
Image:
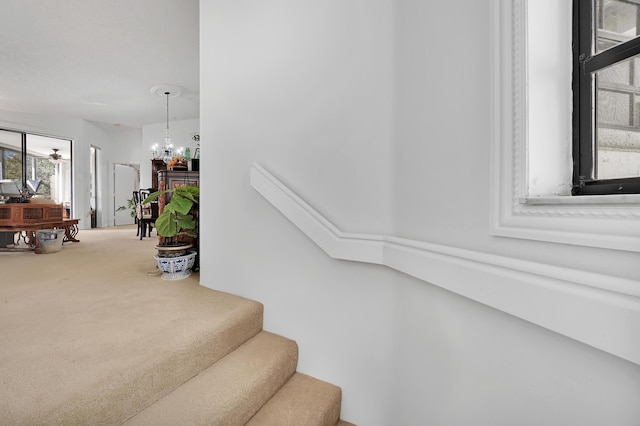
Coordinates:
232	390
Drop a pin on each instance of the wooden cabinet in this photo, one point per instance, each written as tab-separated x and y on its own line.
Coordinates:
16	214
174	178
156	166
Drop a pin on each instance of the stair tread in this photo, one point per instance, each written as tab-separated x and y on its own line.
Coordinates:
108	359
230	391
303	400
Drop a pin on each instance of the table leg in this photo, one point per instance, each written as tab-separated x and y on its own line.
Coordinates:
70	232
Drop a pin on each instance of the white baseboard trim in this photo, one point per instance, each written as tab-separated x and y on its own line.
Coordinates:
599	310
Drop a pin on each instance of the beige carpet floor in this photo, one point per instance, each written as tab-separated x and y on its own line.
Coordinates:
92	334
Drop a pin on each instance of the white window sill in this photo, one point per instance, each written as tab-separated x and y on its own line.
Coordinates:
583	200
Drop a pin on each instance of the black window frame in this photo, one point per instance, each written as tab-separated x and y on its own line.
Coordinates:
585	63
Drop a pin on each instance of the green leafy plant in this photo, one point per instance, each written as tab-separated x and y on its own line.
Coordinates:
176	219
131	205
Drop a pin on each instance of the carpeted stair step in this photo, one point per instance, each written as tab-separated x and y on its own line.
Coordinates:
303	400
91	335
105	351
230	391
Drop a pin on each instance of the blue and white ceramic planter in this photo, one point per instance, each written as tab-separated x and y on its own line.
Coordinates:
176	268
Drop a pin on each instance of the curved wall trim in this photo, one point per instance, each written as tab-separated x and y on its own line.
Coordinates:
599	310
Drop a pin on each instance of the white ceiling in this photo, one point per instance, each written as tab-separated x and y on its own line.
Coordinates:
99	59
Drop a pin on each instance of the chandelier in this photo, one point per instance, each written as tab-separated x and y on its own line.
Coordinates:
166	153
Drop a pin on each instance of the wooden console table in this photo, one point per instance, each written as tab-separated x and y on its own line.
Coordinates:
29	233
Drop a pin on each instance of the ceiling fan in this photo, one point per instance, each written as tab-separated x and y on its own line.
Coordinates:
55	156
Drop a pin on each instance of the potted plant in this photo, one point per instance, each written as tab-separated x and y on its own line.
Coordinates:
175	225
131	205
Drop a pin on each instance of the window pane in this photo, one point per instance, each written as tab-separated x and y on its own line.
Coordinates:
617	22
619	17
617	74
613	108
617	133
10	156
604	43
12	165
50	167
45	170
618	154
636	72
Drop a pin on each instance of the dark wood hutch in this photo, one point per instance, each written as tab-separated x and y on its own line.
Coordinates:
156	166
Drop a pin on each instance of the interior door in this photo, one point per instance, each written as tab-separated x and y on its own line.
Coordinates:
124	185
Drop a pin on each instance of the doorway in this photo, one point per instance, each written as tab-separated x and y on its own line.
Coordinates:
93	185
126	179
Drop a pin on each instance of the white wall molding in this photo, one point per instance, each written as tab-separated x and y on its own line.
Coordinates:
599	310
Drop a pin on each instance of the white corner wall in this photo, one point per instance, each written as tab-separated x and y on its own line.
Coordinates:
305	88
367	109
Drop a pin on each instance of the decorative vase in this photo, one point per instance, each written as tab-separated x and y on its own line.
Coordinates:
176	268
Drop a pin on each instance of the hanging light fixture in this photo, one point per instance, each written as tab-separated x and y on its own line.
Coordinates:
168	152
168	146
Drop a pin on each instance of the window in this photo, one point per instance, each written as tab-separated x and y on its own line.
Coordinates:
41	165
606	87
531	132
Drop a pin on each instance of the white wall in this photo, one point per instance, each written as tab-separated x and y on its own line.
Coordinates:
92	135
305	88
461	362
377	115
125	148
